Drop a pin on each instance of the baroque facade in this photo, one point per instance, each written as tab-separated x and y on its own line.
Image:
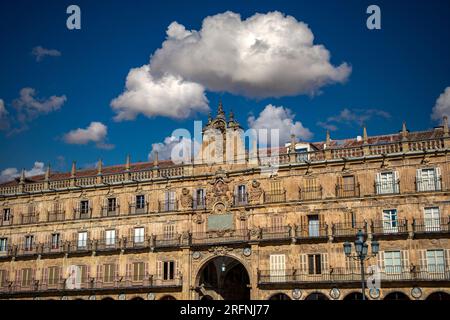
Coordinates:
242	229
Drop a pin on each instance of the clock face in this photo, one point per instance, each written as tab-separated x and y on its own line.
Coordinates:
374	293
335	293
247	252
416	292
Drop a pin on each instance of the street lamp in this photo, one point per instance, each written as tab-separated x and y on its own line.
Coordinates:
361	254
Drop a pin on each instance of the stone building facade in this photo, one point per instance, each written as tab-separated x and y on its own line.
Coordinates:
244	229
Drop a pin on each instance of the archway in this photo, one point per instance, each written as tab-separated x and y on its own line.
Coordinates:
137	298
396	296
280	296
107	299
316	296
441	296
223	278
354	296
168	297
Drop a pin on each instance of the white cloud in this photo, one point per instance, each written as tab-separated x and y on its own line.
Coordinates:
265	55
40	53
280	118
9	174
96	132
175	149
169	96
4	121
28	107
352	116
442	106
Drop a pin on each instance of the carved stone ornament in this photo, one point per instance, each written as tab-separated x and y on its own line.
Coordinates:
220	250
186	198
198	218
255	233
219	189
219	208
242	215
255	192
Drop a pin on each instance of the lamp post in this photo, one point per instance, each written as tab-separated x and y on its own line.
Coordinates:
361	254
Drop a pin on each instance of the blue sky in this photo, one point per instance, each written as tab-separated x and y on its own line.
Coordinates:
399	70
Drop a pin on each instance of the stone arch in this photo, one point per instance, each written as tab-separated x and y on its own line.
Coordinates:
108	298
316	296
396	295
167	297
353	296
439	295
279	296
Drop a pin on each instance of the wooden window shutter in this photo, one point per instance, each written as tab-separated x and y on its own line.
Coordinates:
304	263
17	280
128	270
447	259
304	221
423	259
159	269
46	276
405	260
438	178
419	184
177	270
324	262
116	271
381	260
100	272
396	182
146	269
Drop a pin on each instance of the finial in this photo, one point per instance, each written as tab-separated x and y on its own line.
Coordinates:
328	139
293	142
99	166
364	134
404	131
22	176
47	173
73	171
128	164
231	116
156	160
209	117
220	112
445	123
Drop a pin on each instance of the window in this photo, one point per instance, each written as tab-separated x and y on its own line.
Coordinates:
3	244
138	271
53	275
140	201
110	271
387	183
168	270
6	214
199	198
139	235
112	204
390	221
29	241
348	183
27	277
315	264
277	267
241	193
110	237
435	261
55	240
3	278
277	222
82	239
392	262
84	207
428	179
432	219
169	204
313	225
169	231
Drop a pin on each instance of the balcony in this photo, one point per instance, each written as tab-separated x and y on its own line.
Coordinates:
343	276
25	250
276	234
28	218
214	238
390	229
136	243
108	211
348	190
314	232
7	252
387	187
310	193
427	227
139	208
275	196
168	206
428	185
347	230
80	214
240	200
166	241
108	244
7	222
57	215
199	203
80	246
50	248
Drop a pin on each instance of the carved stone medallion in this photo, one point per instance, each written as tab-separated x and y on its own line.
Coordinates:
186	198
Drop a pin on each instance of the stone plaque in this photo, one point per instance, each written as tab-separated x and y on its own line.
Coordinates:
220	222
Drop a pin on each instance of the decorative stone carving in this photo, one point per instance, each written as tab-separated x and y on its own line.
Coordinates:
219	208
242	215
198	218
255	192
220	250
219	189
255	233
186	198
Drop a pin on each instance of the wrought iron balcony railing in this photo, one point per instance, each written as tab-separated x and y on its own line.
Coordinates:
108	211
240	199
58	215
81	246
310	193
199	203
387	187
106	244
275	196
168	205
79	214
166	241
435	225
138	208
426	185
318	231
54	247
212	238
348	229
347	190
7	222
390	228
276	233
29	218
